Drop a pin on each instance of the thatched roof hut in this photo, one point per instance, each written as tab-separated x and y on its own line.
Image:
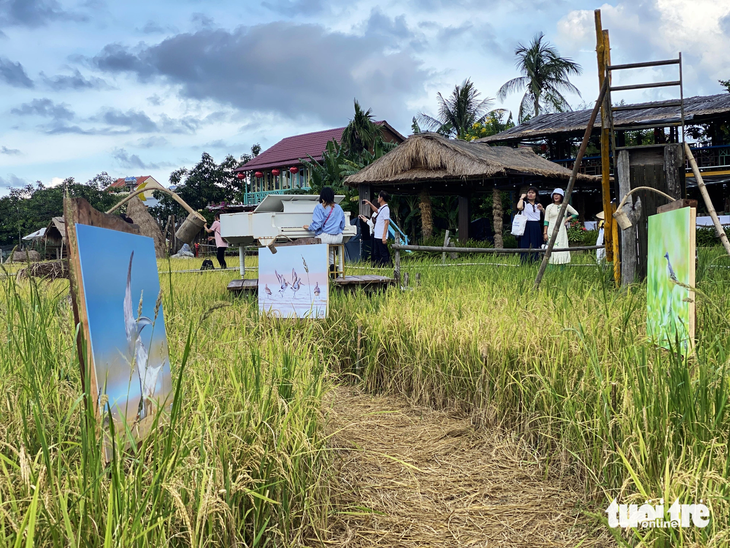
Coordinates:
55	237
697	110
452	167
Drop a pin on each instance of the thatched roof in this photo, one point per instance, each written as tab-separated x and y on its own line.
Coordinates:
429	157
696	110
56	232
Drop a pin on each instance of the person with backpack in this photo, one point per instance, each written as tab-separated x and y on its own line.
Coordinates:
220	243
328	221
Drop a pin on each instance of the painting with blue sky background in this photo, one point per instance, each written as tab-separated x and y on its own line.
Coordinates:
293	282
126	326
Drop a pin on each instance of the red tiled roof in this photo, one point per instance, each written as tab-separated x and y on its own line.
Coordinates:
291	150
119	183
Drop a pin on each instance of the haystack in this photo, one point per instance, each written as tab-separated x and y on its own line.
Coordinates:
25	256
137	211
428	157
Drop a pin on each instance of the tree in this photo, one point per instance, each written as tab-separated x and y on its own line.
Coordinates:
361	133
545	77
493	124
458	112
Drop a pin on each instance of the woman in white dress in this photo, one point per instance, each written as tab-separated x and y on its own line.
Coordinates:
551	218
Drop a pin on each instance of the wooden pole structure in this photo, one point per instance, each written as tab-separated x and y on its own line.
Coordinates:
571	184
606	132
706	197
602	54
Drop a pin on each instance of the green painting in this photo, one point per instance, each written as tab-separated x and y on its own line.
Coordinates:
670	273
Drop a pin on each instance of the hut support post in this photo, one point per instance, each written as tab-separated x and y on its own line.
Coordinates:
242	261
364	193
463	219
628	236
602	53
571	184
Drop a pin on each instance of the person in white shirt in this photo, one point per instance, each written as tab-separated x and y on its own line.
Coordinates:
532	209
381	254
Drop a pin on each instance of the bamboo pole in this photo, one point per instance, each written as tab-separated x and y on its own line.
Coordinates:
706	197
571	184
172	195
602	52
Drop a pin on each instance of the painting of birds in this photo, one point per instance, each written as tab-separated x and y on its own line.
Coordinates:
670	270
140	355
267	290
317	291
283	283
296	282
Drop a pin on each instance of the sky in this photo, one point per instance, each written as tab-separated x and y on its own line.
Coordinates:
143	88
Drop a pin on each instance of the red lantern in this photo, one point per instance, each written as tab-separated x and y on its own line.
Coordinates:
293	170
275	172
258	174
239	175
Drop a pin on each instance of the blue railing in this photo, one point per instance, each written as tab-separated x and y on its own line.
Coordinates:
253	198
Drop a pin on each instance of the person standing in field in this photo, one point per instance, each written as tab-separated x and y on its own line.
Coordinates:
532	210
551	220
381	254
220	243
328	221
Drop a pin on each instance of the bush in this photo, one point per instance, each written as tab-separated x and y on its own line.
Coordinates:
706	237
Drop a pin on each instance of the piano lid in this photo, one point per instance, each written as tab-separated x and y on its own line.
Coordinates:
291	203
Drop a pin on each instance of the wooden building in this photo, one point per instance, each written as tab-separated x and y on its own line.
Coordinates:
281	168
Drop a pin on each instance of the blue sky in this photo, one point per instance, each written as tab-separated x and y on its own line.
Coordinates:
143	88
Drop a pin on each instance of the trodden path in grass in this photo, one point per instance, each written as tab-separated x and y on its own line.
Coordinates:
412	476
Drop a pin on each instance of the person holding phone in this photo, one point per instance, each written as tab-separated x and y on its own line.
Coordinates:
533	210
381	254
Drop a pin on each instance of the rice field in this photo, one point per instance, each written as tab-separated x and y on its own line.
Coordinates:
244	458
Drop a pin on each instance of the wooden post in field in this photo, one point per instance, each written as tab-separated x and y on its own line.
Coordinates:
602	52
628	236
396	273
446	244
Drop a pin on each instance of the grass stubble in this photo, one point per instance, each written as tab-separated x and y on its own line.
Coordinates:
244	459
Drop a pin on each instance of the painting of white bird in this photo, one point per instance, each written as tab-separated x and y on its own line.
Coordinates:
283	284
146	372
125	325
296	281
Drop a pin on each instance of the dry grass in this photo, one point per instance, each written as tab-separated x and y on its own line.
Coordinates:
412	476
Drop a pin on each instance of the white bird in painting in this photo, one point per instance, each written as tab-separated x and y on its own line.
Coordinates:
296	282
316	290
282	281
133	327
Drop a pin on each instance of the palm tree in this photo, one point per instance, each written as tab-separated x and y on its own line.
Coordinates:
544	79
361	133
458	112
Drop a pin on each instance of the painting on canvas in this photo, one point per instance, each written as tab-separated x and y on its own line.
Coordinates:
120	287
670	274
293	282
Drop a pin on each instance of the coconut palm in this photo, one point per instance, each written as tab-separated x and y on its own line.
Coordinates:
544	79
361	133
459	111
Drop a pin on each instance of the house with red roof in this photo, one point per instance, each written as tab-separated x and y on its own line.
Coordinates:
281	168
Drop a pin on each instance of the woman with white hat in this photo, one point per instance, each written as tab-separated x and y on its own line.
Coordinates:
551	219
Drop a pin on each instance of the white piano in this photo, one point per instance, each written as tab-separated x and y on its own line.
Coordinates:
279	217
